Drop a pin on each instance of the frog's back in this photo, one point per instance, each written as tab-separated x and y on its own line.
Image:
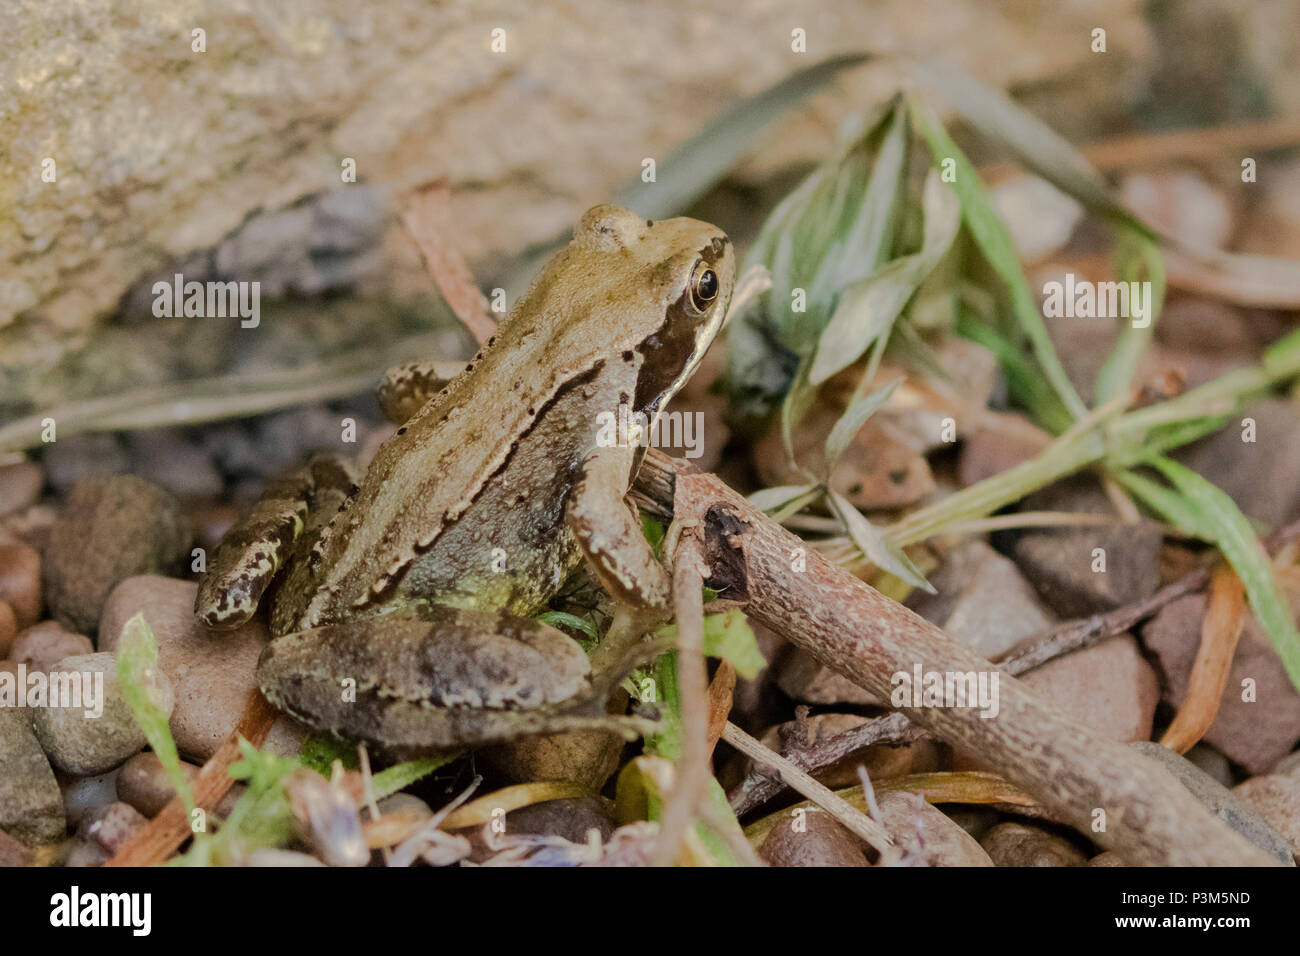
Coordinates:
425	479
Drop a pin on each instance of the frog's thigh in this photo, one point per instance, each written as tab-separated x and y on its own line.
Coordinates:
460	678
257	546
608	529
407	388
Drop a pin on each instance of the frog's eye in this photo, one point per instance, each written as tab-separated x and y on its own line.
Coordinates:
704	287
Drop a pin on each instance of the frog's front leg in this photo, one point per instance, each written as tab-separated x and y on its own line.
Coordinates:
257	546
608	530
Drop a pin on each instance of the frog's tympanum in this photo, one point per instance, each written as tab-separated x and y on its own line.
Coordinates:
402	604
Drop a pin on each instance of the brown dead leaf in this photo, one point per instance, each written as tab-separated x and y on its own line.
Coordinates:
1225	617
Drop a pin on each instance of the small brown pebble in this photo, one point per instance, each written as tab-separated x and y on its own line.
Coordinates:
43	645
810	837
1255	729
20	582
109	531
20	486
212	672
143	783
803	677
86	853
925	832
570	818
8	628
101	732
31	804
1018	844
1109	858
586	757
881	762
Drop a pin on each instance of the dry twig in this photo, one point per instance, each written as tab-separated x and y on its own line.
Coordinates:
857	821
855	630
692	769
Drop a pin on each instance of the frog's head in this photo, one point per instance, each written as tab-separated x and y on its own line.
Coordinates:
671	281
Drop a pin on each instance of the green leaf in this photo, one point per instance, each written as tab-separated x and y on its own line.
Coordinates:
785	500
864	241
137	665
1201	509
564	619
994	241
728	636
653	529
854	417
261	769
402	775
798	399
868	308
1266	281
880	552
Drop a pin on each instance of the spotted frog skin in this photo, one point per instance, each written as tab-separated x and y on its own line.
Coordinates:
401	604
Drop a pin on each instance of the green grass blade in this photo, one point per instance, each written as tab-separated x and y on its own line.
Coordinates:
1035	144
1138	257
402	775
872	542
868	308
994	242
1204	510
137	661
854	417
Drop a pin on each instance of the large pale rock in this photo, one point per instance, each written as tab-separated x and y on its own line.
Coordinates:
161	151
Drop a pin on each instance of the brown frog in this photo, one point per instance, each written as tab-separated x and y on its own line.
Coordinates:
402	604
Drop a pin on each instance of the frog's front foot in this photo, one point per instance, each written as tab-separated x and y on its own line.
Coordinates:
461	679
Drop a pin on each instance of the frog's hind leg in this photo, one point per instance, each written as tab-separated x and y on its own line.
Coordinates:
451	678
256	547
